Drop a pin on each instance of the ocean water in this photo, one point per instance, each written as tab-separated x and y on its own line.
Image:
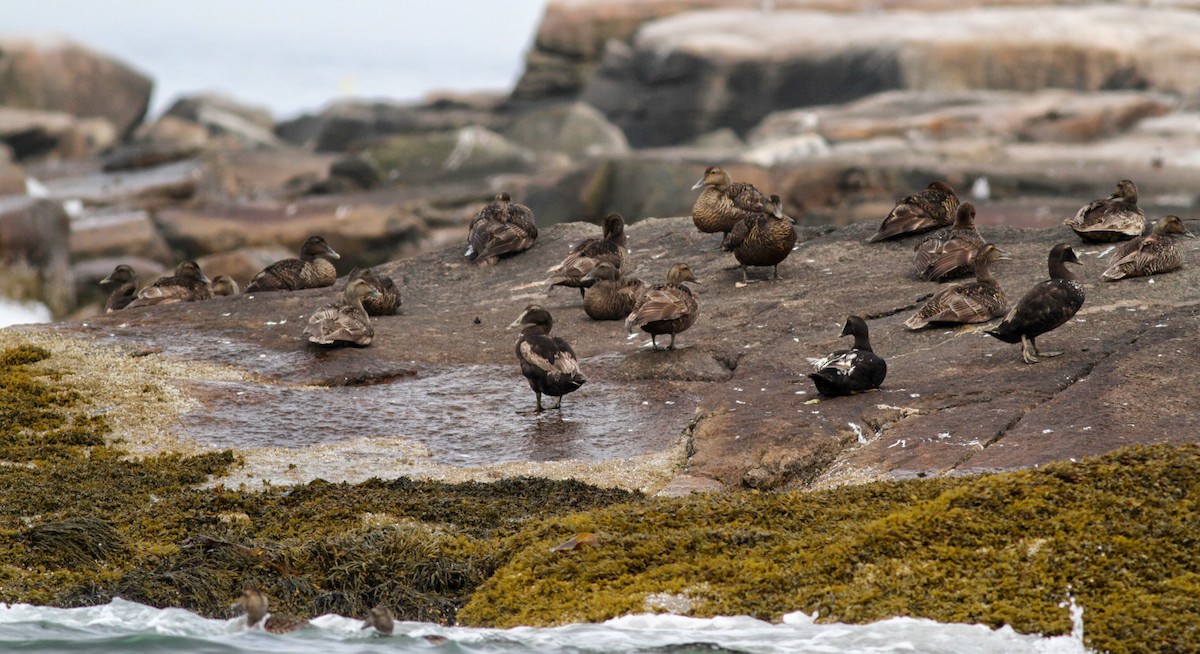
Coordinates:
22	313
126	627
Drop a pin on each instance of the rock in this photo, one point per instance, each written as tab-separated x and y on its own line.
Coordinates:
788	151
173	131
32	134
575	129
471	152
12	178
242	264
222	116
34	254
175	181
55	74
113	232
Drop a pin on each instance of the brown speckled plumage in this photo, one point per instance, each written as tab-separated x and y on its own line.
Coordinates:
188	284
723	202
666	308
611	296
1115	218
311	270
122	286
255	604
949	252
930	208
387	303
589	252
977	301
1149	255
764	238
501	228
344	322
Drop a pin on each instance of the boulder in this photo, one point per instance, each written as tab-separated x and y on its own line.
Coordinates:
32	133
574	129
115	232
223	116
467	153
170	182
52	73
34	253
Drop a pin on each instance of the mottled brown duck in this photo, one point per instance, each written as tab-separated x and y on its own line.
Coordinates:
548	362
255	604
584	256
930	208
312	270
977	301
502	228
1046	306
1149	255
764	238
723	202
188	284
949	252
611	296
387	303
121	284
1115	218
344	322
225	286
380	619
668	308
846	372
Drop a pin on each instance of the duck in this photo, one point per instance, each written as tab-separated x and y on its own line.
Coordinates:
845	372
188	284
1115	218
548	362
122	286
344	322
224	286
764	238
388	301
1045	307
949	252
501	228
610	296
381	619
723	202
668	308
930	208
584	256
255	604
312	270
1149	255
977	301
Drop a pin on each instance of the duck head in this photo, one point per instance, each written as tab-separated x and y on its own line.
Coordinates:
714	177
315	246
681	272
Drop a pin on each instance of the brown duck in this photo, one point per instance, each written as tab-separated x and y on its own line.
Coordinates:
723	202
764	238
255	604
1115	218
388	301
949	252
380	619
610	296
548	362
501	228
933	207
225	286
312	270
344	322
583	257
977	301
122	286
666	308
188	284
1149	255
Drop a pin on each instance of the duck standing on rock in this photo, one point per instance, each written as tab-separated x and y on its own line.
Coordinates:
255	604
122	286
850	371
344	322
387	303
548	362
589	252
723	202
666	308
933	207
501	228
1149	255
1115	218
312	270
610	296
188	284
764	238
1046	306
949	252
977	301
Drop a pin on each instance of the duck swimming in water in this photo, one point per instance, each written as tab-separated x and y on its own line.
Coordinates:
668	308
590	252
610	296
1149	255
949	252
723	202
312	270
188	284
764	238
548	362
381	619
977	301
932	207
850	371
1046	306
122	286
344	322
387	303
500	229
1115	218
255	604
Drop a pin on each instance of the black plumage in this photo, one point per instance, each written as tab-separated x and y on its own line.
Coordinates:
188	284
929	208
312	270
764	238
850	371
121	284
1046	306
949	252
548	362
500	229
587	253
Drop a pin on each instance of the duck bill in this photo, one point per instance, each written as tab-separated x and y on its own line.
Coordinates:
517	323
698	185
331	254
1003	255
1188	234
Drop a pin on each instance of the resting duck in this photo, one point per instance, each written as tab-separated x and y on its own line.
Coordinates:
312	270
949	252
255	604
188	284
723	202
344	322
977	301
501	228
381	619
764	238
1115	218
589	252
1046	306
122	286
850	371
1149	255
224	286
610	296
548	362
387	303
666	308
922	211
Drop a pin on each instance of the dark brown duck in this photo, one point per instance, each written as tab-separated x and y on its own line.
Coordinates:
588	253
188	284
930	208
1046	306
764	238
122	286
668	308
845	372
949	252
977	301
548	362
610	296
502	228
312	270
